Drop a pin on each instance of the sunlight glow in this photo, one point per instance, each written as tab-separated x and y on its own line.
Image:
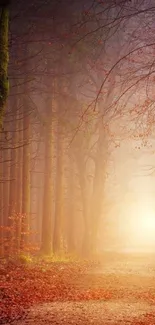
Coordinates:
141	226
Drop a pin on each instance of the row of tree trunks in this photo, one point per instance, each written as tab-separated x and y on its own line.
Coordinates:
15	177
18	201
52	234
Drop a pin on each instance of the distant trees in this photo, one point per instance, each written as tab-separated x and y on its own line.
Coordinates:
59	120
68	72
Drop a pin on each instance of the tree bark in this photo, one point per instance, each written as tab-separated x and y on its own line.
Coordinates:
71	207
84	199
4	57
97	198
25	174
1	207
57	233
13	184
46	246
19	184
46	235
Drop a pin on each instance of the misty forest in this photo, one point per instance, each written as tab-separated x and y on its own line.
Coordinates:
77	140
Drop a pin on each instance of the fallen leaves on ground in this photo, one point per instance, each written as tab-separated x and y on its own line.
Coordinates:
23	286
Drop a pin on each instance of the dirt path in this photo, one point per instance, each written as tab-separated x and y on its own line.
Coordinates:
91	312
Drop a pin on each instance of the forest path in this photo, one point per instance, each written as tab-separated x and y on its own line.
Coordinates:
129	281
91	312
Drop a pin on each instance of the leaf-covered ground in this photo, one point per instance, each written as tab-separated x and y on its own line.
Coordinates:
114	282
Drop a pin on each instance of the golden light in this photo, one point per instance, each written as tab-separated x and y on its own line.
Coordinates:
140	226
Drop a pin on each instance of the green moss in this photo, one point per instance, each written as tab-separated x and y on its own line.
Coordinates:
4	85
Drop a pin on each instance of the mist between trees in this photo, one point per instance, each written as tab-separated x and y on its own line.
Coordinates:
81	79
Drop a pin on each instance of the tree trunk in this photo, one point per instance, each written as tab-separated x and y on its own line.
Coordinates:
71	207
57	233
1	207
84	199
46	246
13	186
19	181
25	174
97	199
4	86
46	231
6	186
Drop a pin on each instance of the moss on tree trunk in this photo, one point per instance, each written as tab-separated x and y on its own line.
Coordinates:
4	57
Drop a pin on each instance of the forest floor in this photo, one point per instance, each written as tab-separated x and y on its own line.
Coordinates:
120	289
